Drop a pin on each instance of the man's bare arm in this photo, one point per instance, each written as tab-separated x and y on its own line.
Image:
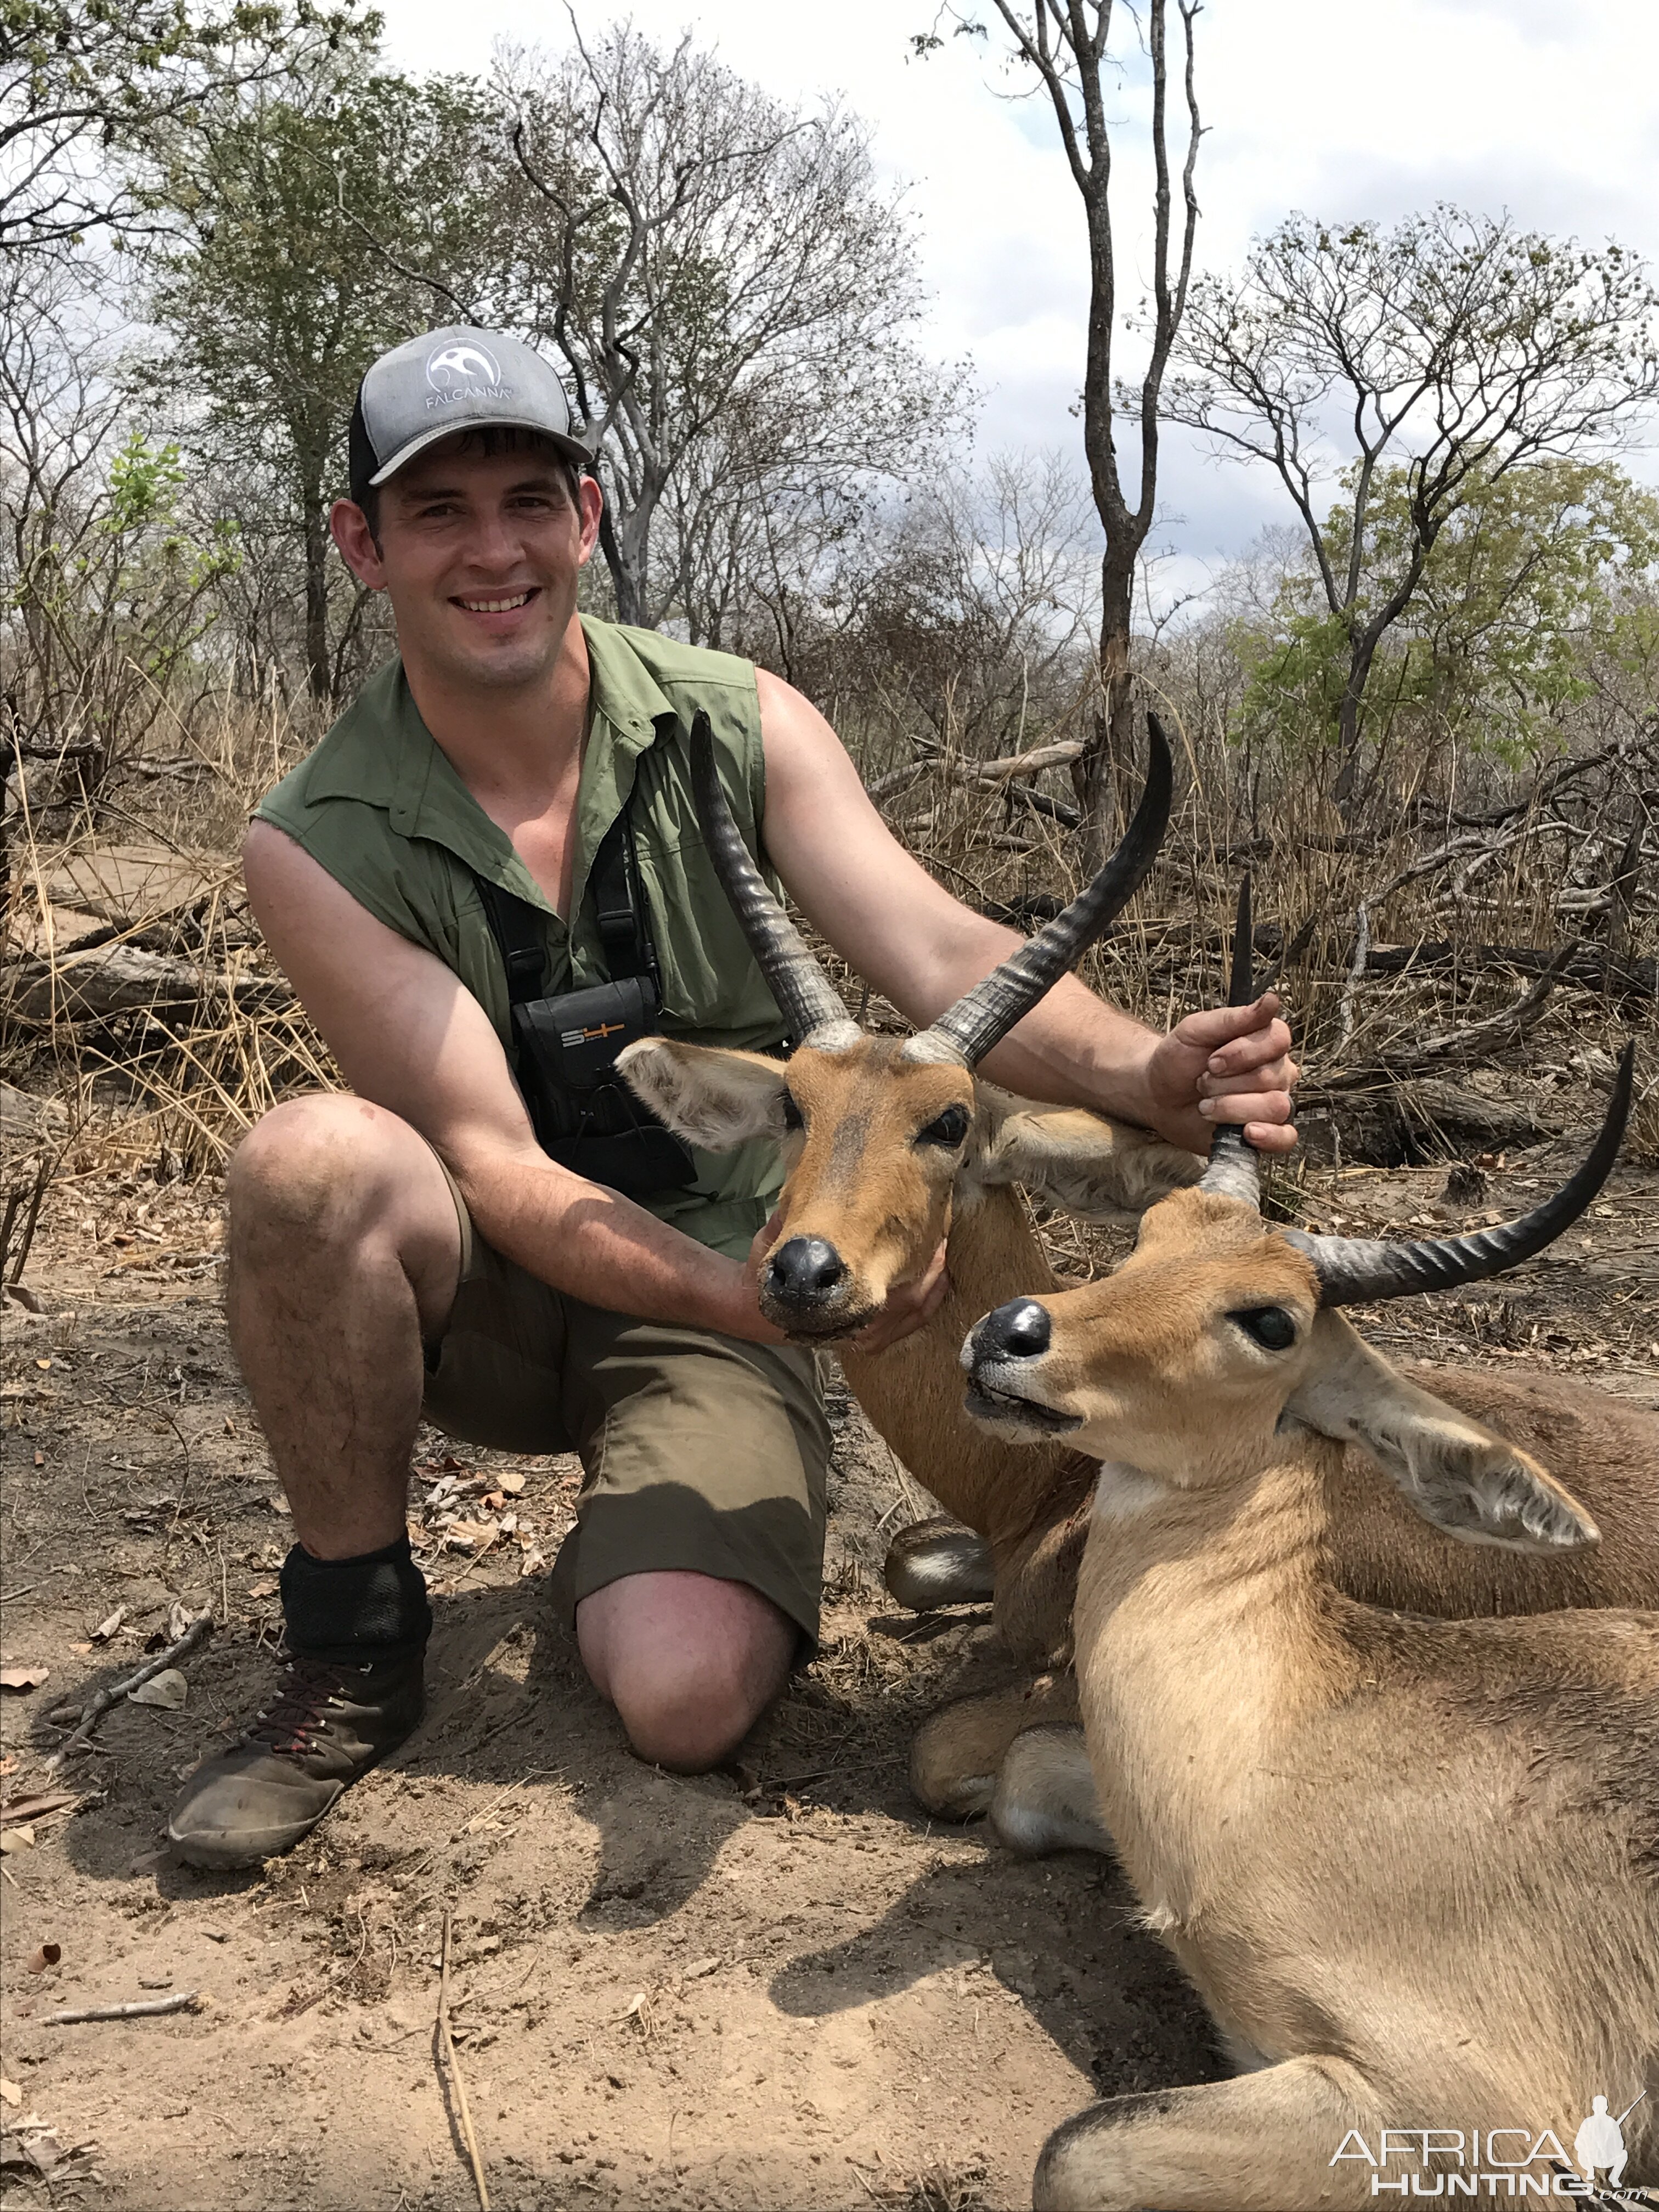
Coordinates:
408	1035
888	919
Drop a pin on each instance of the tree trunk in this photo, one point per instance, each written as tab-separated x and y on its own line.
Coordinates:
1347	728
1100	776
624	583
320	672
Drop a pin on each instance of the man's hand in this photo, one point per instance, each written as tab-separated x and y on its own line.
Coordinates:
909	1304
1228	1064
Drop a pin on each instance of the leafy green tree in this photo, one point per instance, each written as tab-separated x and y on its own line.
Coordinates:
80	77
1536	571
1450	350
306	236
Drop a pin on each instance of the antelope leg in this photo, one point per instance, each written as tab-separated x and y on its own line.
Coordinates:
1264	2142
957	1755
1044	1800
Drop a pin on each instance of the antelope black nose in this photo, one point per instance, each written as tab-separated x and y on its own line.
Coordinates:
1018	1330
805	1268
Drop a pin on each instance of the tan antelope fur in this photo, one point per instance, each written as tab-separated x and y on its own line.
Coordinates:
1411	1865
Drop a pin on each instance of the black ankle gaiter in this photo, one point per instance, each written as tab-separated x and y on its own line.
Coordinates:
373	1607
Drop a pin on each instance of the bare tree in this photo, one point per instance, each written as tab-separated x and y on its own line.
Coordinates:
80	76
106	584
1454	344
728	288
1066	43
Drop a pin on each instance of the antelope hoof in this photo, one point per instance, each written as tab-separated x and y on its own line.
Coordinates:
938	1562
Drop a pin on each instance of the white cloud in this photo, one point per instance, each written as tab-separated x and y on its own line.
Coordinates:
1549	109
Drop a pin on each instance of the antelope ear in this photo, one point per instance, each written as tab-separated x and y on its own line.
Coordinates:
1077	1160
1457	1473
711	1097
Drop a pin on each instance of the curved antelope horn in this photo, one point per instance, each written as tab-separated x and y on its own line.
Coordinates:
1232	1172
1353	1268
805	997
967	1031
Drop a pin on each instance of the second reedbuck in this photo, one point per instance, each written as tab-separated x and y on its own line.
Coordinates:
1411	1864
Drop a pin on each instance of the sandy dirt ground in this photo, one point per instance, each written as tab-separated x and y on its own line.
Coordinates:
775	1986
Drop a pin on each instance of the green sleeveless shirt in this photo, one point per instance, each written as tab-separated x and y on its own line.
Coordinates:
379	806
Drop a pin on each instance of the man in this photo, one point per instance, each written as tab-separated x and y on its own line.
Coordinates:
411	1248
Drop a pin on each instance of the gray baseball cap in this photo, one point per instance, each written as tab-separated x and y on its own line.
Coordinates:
456	379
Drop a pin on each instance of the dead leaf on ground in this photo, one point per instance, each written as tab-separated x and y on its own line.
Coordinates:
37	1807
168	1689
23	1674
107	1627
513	1484
48	1954
472	1533
16	1840
9	2092
267	1588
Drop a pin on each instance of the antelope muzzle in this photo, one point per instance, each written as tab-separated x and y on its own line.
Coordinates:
1004	1358
808	1289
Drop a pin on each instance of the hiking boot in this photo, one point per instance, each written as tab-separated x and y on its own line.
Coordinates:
329	1724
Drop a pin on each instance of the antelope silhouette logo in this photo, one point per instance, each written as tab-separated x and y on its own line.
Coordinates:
451	368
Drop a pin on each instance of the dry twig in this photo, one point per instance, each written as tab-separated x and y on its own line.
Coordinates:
142	2008
448	2041
92	1713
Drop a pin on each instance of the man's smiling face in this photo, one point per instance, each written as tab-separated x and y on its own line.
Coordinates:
479	554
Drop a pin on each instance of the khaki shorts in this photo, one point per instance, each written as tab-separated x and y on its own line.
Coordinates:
700	1452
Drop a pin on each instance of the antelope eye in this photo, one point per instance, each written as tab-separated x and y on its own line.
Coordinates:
793	1118
1271	1327
950	1128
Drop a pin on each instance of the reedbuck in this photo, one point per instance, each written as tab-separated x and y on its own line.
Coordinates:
1411	1864
892	1144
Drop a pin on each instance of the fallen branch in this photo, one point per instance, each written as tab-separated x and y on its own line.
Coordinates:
1356	973
1060	754
1513	1021
92	1713
896	779
448	2041
119	979
991	774
144	2008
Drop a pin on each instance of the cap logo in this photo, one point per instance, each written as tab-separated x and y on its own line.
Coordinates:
452	370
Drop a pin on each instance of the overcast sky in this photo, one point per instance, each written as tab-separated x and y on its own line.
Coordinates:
1549	108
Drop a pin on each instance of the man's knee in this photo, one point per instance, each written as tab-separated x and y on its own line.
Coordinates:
323	1168
690	1661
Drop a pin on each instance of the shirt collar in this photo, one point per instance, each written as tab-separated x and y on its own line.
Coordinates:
386	755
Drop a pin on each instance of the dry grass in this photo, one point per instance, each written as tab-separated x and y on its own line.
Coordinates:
1535	883
178	1083
150	856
